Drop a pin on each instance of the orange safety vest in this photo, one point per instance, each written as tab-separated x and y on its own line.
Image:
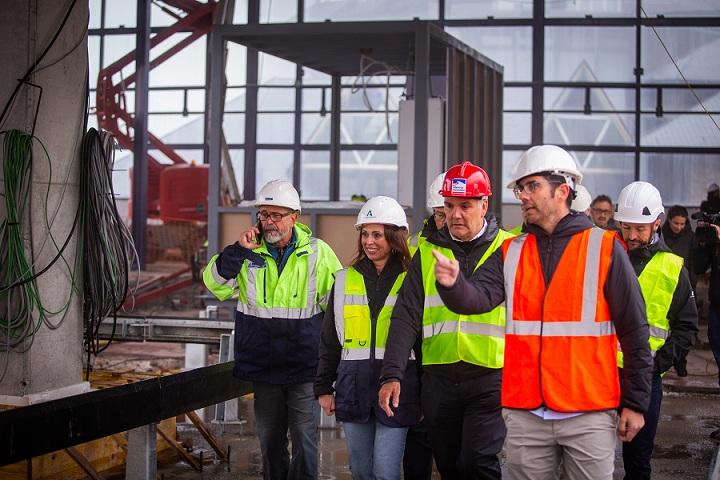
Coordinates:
560	343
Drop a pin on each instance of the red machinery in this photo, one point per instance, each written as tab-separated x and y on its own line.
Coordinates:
114	117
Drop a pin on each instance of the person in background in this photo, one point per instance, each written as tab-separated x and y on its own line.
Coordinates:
678	235
707	256
281	276
581	202
353	341
712	203
436	220
601	212
669	301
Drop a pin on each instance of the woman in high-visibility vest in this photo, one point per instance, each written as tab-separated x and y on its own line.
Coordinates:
352	345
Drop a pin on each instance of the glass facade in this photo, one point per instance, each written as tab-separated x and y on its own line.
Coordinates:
625	86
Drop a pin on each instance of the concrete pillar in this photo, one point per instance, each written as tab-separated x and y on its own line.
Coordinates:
141	462
52	365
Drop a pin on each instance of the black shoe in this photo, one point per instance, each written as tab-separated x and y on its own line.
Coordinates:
715	435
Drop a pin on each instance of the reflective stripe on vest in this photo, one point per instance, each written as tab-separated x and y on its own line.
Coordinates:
449	337
255	299
352	316
658	282
560	341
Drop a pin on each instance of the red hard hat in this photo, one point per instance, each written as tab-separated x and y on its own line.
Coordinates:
466	180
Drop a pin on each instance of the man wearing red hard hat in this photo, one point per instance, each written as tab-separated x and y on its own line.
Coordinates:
462	355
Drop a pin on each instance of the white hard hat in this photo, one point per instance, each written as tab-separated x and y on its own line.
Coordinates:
278	193
383	210
639	202
583	199
434	199
546	158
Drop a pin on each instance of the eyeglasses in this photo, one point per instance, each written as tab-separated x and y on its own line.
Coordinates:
439	214
601	211
274	216
529	187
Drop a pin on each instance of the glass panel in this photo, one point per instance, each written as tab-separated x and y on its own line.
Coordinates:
120	13
368	172
371	128
315	129
462	9
189	155
235	69
196	100
606	173
369	99
241	10
235	100
273	165
177	128
517	128
275	71
187	67
673	8
315	175
681	177
515	98
696	51
589	54
275	99
165	101
509	158
121	173
234	127
95	14
278	11
158	17
354	10
601	99
681	99
312	99
690	130
93	59
595	129
116	47
511	47
237	158
313	77
582	8
275	128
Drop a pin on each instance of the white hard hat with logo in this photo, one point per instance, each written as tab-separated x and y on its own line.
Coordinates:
583	199
434	199
278	193
383	210
546	158
639	202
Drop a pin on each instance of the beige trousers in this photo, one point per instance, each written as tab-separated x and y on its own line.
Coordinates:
583	446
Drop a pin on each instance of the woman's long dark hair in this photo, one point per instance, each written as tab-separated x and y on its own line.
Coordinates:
397	238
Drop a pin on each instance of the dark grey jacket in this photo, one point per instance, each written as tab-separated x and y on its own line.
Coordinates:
406	323
485	290
683	315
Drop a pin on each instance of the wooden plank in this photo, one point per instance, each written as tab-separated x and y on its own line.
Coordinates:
80	459
180	450
207	435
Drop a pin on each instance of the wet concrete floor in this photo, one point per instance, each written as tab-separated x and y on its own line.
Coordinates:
683	448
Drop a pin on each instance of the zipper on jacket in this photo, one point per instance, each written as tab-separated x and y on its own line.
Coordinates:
542	319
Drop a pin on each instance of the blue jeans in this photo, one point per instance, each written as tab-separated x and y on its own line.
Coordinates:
714	332
375	451
279	408
636	454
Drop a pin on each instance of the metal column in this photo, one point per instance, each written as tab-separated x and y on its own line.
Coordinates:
335	139
141	463
422	82
214	138
140	161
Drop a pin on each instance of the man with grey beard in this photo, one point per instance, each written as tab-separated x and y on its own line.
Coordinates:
282	277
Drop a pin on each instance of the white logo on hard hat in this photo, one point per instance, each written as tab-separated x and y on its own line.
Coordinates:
459	185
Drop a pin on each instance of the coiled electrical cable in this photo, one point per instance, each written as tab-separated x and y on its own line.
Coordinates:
106	242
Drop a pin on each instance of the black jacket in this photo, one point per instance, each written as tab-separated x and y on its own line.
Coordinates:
707	255
356	383
683	315
406	325
485	290
682	244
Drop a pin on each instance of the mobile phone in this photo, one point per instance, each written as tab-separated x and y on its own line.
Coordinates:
259	237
